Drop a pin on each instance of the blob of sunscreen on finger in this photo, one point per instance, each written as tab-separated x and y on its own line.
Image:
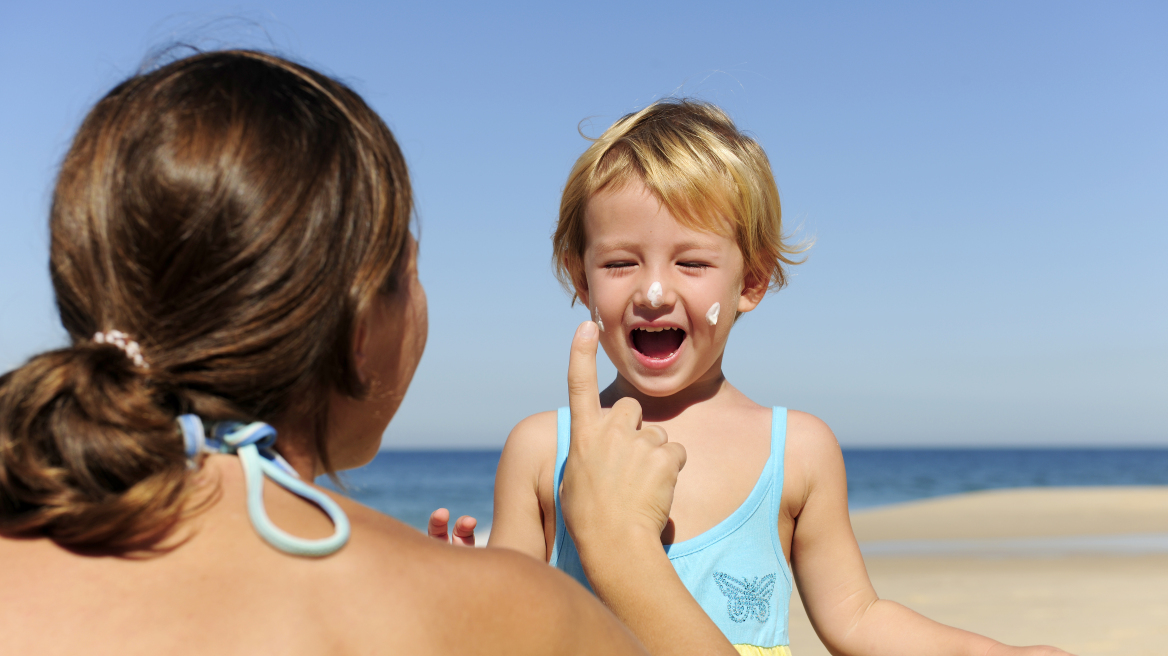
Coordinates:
654	294
597	319
712	314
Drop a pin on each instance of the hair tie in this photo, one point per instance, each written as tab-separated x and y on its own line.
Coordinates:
122	341
194	438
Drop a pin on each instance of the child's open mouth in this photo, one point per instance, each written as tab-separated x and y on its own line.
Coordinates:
657	343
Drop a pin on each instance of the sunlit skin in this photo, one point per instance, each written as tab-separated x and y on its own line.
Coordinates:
632	241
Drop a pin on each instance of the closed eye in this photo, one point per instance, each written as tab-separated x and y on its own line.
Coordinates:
619	268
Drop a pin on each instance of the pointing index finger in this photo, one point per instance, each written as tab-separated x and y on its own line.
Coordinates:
583	391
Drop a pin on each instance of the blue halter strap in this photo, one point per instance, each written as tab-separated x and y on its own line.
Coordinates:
253	443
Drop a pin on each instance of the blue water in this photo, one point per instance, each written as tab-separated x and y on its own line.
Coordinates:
878	477
410	484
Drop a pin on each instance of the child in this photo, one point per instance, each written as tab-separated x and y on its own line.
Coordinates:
670	230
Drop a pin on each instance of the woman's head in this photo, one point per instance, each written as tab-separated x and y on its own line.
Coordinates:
237	215
704	171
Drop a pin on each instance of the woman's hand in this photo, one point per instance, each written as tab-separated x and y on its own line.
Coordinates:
619	477
617	492
463	534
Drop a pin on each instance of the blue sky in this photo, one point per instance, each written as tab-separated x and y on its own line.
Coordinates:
986	184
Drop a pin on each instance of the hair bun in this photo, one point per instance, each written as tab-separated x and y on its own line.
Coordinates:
85	441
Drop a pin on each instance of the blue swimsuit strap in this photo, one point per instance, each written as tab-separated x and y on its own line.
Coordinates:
253	443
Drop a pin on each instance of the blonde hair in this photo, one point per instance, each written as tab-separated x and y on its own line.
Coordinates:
691	156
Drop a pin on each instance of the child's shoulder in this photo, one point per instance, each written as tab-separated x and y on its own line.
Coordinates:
806	426
535	429
809	439
533	440
813	457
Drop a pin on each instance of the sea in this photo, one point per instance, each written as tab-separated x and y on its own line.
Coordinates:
409	485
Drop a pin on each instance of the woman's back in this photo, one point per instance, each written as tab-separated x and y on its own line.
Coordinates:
225	591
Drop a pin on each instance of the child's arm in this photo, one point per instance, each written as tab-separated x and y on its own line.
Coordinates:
518	518
528	453
833	582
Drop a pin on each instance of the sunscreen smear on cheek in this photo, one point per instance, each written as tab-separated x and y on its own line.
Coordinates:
597	319
655	294
712	314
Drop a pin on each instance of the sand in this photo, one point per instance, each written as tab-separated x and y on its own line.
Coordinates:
1013	565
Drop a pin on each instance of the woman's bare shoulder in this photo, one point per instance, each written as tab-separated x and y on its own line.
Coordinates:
492	600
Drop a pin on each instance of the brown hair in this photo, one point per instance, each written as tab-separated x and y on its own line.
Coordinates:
233	212
693	158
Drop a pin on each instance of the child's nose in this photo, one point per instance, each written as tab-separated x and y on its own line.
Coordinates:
654	292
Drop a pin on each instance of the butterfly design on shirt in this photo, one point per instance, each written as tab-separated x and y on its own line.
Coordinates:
747	598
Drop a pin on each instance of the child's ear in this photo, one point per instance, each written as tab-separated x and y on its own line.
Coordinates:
753	289
581	285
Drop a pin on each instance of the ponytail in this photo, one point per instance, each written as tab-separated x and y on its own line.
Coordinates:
88	455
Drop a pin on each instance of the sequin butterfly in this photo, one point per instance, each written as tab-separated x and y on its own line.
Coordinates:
746	598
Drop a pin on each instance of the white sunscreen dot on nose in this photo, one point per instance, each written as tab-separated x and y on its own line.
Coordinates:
712	314
655	294
597	319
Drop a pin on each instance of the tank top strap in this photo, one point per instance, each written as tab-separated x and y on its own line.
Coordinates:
563	443
778	451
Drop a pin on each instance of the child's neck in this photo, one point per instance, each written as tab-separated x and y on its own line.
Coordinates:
664	408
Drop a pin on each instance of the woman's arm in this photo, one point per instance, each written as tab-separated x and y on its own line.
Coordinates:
618	489
841	603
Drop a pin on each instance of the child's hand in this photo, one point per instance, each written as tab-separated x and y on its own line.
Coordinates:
463	528
619	477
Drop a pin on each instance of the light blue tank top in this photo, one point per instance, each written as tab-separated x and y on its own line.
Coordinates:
736	570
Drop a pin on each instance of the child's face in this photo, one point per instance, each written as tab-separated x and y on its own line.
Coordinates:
632	241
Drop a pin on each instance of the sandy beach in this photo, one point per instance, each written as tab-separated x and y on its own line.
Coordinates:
1085	569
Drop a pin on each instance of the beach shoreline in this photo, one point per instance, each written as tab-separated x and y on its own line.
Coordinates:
1091	598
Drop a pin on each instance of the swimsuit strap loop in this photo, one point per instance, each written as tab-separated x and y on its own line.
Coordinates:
194	437
255	467
235	434
254	445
